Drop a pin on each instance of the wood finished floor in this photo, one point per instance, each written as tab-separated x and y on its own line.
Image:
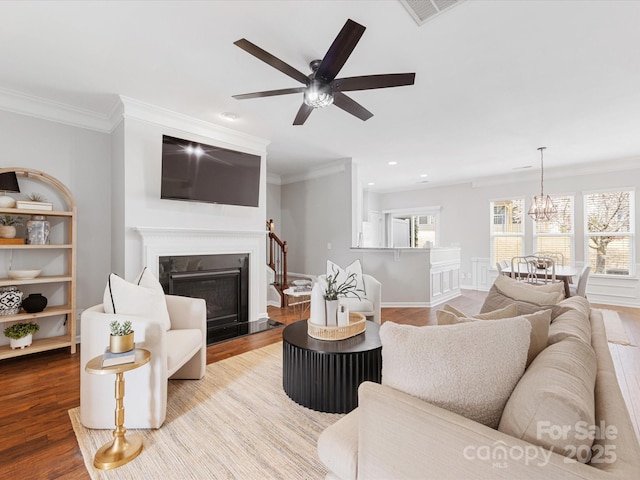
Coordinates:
37	441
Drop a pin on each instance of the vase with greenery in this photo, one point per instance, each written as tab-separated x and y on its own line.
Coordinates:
8	224
334	290
20	335
121	339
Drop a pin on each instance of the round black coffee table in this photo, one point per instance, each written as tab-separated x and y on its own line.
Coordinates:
324	375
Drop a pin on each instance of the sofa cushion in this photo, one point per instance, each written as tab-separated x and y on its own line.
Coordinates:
144	298
572	323
556	394
338	447
495	299
450	315
547	294
355	268
539	324
469	368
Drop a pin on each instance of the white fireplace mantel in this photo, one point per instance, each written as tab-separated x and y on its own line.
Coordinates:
164	241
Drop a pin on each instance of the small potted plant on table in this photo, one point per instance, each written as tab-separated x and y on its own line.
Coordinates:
121	339
20	335
334	290
8	224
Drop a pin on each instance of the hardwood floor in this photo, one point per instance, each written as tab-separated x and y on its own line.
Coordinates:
36	391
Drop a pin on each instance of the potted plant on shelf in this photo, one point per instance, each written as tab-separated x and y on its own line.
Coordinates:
20	335
121	339
334	290
8	225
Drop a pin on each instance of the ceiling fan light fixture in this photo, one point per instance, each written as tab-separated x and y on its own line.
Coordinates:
318	94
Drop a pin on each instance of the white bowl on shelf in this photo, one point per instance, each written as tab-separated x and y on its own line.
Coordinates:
23	274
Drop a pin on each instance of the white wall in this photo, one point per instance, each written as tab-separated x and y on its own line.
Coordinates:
274	204
316	215
80	159
137	177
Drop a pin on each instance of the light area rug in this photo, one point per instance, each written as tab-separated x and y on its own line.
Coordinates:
236	423
614	328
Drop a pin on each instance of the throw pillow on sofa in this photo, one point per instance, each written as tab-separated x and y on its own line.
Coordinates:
144	298
540	322
554	401
450	315
470	368
524	296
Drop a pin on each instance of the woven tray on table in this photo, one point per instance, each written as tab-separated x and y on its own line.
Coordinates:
357	325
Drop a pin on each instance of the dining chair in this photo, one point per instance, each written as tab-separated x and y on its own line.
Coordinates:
501	265
581	287
558	257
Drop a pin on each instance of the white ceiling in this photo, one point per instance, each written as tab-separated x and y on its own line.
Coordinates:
494	79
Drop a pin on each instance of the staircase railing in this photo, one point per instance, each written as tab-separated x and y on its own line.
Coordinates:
277	260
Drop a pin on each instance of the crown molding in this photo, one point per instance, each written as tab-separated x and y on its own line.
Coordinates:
135	109
38	107
592	168
274	178
332	168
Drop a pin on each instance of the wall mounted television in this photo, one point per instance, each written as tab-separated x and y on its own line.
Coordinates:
197	172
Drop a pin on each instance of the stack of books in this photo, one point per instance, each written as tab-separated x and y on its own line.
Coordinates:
29	205
111	359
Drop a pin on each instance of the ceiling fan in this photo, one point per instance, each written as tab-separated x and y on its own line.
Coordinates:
321	87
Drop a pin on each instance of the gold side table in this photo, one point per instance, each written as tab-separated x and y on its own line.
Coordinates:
121	449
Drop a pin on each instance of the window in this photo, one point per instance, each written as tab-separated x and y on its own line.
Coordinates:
609	232
412	228
558	235
507	229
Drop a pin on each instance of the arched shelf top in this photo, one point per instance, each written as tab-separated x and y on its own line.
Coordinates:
44	178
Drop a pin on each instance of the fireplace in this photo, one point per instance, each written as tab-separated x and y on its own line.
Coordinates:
221	280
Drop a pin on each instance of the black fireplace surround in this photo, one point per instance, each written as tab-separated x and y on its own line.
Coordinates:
221	280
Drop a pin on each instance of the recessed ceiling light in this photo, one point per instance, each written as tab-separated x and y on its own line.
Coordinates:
423	175
393	163
371	184
230	116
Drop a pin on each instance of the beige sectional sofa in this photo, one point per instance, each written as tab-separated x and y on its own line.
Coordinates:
568	395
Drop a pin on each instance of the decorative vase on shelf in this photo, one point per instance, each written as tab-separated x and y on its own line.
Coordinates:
332	312
38	229
34	303
7	231
10	300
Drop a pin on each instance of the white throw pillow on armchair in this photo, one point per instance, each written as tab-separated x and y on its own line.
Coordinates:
355	268
144	298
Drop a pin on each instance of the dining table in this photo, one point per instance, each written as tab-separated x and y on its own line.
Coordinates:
563	273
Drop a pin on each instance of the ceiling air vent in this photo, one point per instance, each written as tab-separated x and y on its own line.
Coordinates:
424	10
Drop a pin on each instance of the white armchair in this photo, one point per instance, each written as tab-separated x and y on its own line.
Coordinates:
368	305
178	353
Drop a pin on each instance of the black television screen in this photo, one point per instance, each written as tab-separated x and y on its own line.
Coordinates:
203	173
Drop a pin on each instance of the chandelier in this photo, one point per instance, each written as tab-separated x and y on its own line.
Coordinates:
542	207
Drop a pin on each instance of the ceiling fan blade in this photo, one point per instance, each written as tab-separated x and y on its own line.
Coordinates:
269	93
269	59
340	100
339	51
369	82
303	113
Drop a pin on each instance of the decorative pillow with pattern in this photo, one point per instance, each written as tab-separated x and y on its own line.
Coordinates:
355	268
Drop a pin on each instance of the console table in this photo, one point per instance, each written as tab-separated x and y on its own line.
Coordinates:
324	375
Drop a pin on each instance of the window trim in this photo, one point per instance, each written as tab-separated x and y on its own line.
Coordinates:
631	233
492	234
